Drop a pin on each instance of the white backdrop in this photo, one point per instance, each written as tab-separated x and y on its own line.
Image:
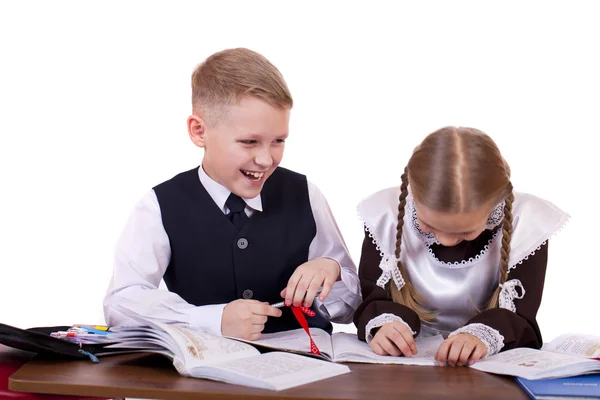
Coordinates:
94	97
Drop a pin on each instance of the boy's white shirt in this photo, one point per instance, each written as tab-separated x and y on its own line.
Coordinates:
143	253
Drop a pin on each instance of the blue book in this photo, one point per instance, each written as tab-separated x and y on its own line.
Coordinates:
575	387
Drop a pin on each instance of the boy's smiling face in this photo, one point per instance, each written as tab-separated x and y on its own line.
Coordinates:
244	147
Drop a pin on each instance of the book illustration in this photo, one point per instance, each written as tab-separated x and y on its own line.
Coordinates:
530	363
197	347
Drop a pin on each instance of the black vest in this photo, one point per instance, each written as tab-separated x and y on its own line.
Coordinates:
212	262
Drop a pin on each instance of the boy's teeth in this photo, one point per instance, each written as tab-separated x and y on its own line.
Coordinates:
257	175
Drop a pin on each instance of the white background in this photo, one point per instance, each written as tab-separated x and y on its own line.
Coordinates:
94	97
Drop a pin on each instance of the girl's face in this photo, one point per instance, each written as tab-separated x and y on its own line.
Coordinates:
452	228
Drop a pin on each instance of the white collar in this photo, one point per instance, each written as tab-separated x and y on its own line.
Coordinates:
220	193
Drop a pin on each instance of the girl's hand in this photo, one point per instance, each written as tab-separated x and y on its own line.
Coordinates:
461	350
394	339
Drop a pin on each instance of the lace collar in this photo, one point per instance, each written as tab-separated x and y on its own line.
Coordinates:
496	217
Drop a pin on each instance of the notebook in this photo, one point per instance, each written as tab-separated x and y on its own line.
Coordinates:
575	387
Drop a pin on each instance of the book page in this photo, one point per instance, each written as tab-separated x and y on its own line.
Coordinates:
139	344
147	328
161	351
577	344
275	370
536	364
296	340
139	332
347	348
129	337
188	347
197	347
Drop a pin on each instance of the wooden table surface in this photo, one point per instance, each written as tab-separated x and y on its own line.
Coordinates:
152	376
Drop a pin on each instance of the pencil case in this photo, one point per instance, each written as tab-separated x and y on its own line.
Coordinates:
38	340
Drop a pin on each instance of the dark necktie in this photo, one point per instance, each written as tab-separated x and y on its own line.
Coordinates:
236	210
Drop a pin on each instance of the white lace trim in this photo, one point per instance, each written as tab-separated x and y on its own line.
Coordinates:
556	232
427	238
509	293
389	266
511	267
388	263
496	216
491	338
369	229
381	320
495	219
471	260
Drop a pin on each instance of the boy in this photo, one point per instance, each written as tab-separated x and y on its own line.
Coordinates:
236	233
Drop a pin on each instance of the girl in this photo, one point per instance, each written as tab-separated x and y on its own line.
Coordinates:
454	251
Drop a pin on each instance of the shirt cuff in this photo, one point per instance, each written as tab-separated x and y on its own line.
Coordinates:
491	338
347	288
343	299
208	317
380	321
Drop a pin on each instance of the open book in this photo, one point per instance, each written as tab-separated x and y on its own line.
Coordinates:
198	354
567	355
345	347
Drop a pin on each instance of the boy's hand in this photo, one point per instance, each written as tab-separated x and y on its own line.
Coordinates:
394	339
308	278
245	319
459	350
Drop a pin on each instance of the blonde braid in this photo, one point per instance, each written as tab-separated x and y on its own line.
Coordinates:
408	295
507	230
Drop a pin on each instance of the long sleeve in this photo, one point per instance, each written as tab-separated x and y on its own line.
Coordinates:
520	328
345	296
377	304
142	255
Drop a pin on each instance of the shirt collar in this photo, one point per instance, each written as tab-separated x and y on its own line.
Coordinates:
220	193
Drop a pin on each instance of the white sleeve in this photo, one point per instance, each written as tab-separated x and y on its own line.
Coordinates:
345	296
142	255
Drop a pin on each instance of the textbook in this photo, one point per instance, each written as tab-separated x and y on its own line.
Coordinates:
199	354
345	347
578	387
567	355
339	347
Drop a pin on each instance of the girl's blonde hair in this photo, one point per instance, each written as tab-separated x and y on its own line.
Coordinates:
454	170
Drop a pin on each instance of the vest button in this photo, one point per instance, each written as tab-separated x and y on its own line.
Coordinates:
247	294
242	243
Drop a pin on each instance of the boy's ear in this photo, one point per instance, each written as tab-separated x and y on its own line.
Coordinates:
197	129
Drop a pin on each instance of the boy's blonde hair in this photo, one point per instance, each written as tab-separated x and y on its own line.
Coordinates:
227	76
455	170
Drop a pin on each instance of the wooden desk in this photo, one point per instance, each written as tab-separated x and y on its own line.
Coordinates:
152	376
10	361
